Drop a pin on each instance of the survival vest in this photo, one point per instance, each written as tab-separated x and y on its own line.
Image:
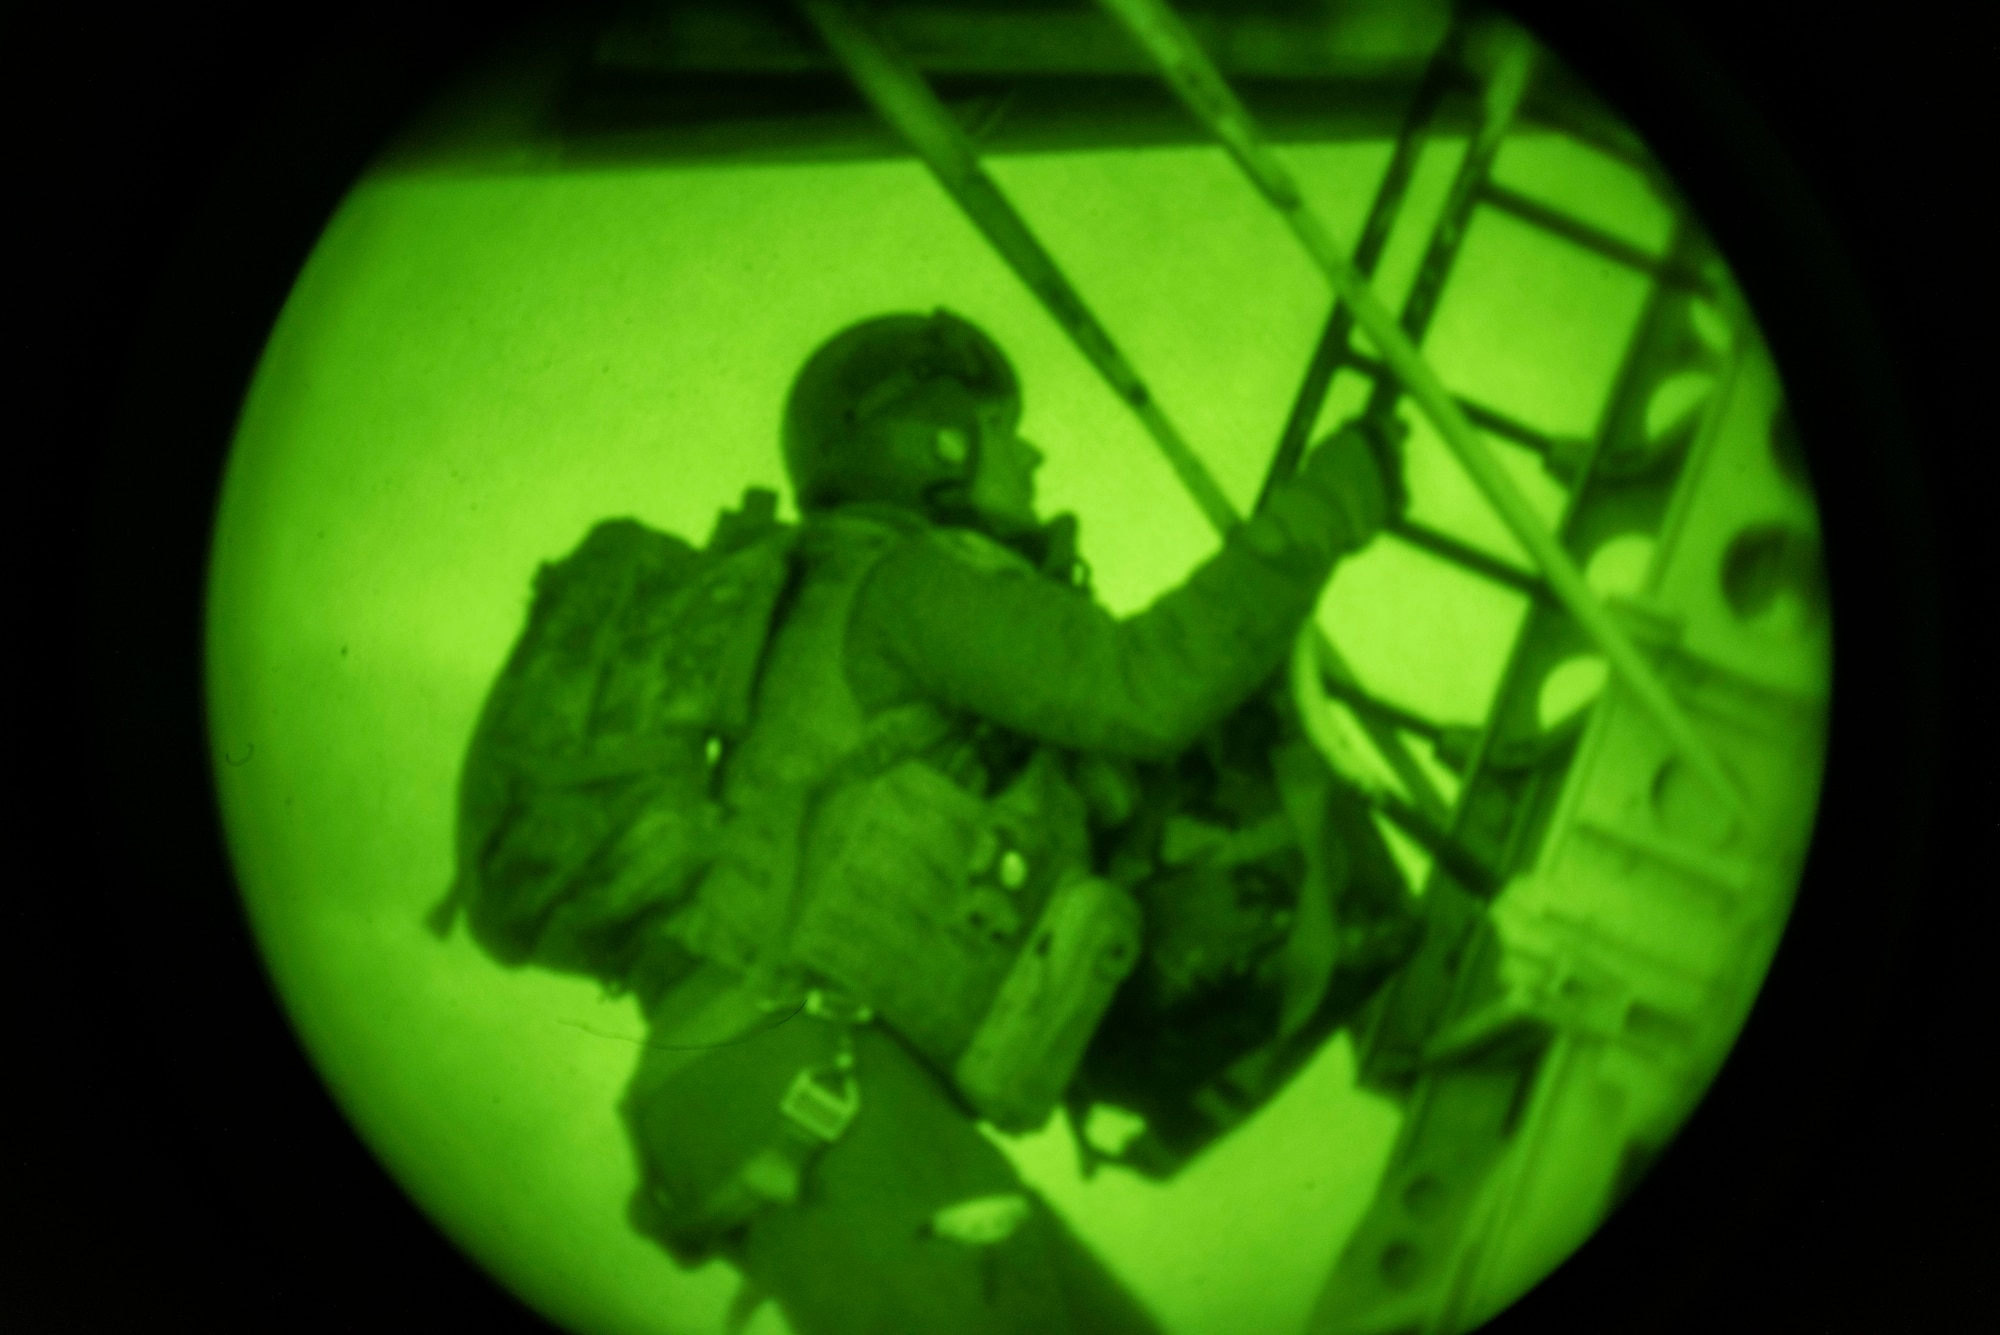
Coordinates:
587	808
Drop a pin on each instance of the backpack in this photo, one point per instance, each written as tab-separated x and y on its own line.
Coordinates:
587	806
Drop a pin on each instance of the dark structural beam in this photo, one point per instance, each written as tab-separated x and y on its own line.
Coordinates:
669	82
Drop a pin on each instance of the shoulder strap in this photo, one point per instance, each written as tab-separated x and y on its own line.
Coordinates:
975	549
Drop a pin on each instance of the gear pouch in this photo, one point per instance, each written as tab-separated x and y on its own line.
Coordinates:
728	1124
936	906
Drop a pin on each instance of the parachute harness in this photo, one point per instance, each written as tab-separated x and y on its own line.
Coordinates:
823	1100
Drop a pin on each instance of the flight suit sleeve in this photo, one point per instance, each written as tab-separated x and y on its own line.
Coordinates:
1012	646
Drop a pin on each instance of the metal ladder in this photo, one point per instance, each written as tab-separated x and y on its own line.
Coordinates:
1501	1041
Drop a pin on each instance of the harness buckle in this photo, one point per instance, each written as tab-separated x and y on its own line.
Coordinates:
822	1110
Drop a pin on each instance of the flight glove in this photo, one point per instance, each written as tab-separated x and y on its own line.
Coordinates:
1349	489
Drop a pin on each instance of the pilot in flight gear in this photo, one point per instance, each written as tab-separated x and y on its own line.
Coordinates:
903	934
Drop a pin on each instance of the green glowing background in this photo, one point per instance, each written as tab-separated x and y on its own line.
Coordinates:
473	370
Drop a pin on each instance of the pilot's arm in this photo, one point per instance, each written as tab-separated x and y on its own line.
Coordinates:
1003	642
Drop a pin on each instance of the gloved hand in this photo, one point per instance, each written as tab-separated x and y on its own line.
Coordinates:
1350	487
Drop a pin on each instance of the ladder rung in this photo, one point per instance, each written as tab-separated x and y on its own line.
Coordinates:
1736	880
1394	715
1487	419
1448	738
1580	233
1443	545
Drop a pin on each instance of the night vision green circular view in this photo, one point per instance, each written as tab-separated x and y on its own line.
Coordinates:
1060	668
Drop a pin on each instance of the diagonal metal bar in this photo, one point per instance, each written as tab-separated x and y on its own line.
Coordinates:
1188	69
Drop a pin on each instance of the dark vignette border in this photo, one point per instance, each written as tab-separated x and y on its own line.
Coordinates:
1810	1190
230	1190
192	1165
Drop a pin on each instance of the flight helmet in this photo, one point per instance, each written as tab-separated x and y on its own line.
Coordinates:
886	411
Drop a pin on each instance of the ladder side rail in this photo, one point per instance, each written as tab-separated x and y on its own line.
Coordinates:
1335	344
1332	349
